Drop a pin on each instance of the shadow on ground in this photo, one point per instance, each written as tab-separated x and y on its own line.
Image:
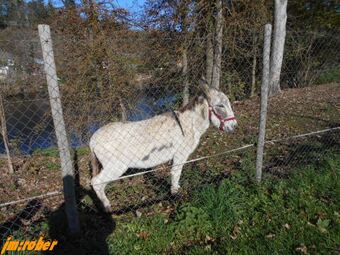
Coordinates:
96	226
19	221
301	152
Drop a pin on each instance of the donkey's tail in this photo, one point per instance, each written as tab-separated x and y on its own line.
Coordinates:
95	164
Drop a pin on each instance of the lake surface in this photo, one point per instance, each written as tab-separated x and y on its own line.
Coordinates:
30	125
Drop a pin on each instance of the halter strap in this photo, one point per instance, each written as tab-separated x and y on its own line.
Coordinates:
177	120
220	118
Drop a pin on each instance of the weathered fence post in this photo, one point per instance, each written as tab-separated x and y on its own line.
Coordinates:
59	125
264	100
5	135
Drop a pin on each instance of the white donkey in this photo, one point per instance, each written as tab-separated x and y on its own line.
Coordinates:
148	143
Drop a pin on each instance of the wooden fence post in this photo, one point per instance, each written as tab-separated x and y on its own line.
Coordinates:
264	100
5	135
60	130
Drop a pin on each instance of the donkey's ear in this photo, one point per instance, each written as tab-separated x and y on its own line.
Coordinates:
203	84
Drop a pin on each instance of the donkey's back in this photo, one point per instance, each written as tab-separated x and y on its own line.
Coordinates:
140	144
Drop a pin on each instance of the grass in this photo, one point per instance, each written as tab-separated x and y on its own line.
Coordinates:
298	214
332	75
52	166
54	152
47	152
239	217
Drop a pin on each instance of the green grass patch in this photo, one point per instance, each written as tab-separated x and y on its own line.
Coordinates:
332	75
53	166
82	151
288	216
54	152
48	152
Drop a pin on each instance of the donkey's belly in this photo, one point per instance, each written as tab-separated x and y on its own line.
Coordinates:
153	158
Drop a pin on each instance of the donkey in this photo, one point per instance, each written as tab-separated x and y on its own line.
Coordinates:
148	143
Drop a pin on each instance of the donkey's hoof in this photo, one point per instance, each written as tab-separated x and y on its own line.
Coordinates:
175	191
108	209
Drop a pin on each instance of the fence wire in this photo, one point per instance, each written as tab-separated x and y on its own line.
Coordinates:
138	82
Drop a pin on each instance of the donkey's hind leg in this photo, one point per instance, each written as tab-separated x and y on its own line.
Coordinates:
100	181
176	170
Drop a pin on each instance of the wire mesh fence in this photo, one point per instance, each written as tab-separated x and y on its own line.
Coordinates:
124	109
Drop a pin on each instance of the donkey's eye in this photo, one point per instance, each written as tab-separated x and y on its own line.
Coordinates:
220	105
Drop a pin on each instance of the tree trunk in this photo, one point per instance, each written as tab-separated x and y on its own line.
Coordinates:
209	58
185	76
5	135
183	9
253	71
280	20
216	77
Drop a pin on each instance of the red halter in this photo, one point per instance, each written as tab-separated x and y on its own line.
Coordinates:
221	119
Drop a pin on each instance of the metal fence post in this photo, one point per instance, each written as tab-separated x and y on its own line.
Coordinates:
59	125
264	100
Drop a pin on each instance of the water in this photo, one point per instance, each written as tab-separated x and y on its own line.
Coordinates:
30	125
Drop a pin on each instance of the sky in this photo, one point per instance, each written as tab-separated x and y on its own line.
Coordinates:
131	5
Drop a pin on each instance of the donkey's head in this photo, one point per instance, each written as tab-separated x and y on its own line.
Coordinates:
221	114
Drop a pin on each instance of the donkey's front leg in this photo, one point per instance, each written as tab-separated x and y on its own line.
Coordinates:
176	170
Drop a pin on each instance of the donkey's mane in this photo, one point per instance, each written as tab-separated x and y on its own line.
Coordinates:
192	103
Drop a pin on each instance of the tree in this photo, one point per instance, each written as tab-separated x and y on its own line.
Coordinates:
280	19
12	13
313	14
218	38
69	3
208	30
173	20
183	14
214	22
38	12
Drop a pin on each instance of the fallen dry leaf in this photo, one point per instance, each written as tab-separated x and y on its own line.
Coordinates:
286	226
303	249
270	236
236	231
143	234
